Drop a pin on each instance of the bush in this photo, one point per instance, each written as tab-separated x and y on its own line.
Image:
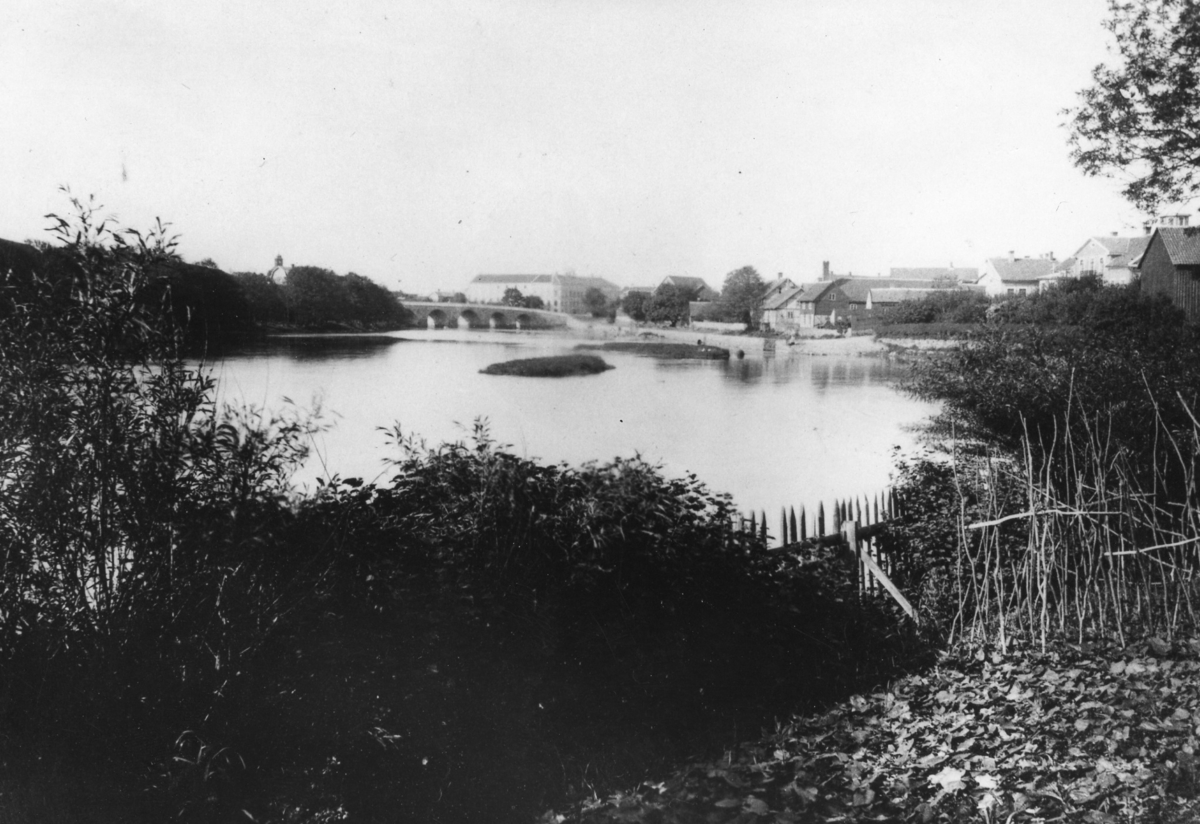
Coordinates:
477	638
944	306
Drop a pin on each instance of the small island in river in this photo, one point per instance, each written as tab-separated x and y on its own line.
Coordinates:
663	349
555	366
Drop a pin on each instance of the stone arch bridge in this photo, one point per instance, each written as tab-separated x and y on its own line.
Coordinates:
482	316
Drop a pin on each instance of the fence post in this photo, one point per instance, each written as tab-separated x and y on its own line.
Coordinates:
850	531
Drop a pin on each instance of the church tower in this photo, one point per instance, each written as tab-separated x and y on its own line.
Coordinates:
278	274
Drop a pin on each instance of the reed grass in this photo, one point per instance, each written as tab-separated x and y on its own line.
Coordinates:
1079	537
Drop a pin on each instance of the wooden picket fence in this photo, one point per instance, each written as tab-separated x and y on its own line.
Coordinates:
854	525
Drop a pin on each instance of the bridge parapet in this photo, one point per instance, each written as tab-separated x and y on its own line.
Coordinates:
482	316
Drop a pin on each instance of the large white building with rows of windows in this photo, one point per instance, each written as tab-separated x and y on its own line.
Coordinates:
559	293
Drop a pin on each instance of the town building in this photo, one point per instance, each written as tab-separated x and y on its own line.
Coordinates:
776	287
559	293
942	276
883	297
698	287
626	291
1012	275
1109	257
1170	267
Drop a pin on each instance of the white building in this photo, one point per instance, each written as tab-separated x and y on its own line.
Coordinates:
559	293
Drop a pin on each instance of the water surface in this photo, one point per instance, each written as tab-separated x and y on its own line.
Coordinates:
786	430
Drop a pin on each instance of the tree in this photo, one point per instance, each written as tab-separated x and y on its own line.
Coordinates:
1141	116
634	304
741	296
534	302
513	297
595	301
670	304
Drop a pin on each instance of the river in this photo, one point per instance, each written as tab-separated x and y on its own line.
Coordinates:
788	430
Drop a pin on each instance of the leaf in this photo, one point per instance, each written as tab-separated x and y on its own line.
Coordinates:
756	806
728	802
949	779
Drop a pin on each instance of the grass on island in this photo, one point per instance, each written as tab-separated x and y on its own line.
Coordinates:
662	349
554	366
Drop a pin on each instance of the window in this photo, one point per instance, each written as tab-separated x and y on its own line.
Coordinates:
1012	291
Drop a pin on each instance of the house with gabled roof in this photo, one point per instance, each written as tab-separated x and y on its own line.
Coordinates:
800	307
1109	257
1170	267
696	285
776	287
1015	275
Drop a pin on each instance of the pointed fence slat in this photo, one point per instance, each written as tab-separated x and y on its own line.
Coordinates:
857	522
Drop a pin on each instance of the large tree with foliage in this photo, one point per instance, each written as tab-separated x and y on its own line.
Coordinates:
595	301
741	296
634	304
670	304
1140	119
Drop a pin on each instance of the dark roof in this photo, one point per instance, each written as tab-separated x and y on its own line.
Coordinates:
1022	270
1182	243
892	295
960	274
1123	250
702	289
784	297
779	285
599	283
856	289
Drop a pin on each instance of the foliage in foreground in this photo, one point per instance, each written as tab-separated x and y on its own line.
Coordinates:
476	639
1096	733
1120	356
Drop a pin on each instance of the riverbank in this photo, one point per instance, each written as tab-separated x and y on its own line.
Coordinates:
813	342
1082	733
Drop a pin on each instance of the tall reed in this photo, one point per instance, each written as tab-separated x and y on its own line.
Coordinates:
1079	537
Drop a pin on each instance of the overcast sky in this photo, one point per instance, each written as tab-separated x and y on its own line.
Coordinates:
423	143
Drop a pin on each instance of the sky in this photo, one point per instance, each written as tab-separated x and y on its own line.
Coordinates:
422	143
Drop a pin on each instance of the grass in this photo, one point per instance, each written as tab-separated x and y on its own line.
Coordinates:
554	366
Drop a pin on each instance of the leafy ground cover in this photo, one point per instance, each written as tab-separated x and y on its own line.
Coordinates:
1078	733
554	366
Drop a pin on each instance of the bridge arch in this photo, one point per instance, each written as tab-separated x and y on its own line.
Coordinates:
523	321
469	319
499	320
436	319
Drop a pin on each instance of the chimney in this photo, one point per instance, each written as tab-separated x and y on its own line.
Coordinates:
1012	255
824	270
1114	234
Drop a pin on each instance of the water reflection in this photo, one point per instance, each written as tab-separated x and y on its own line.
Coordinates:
821	372
306	347
780	431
